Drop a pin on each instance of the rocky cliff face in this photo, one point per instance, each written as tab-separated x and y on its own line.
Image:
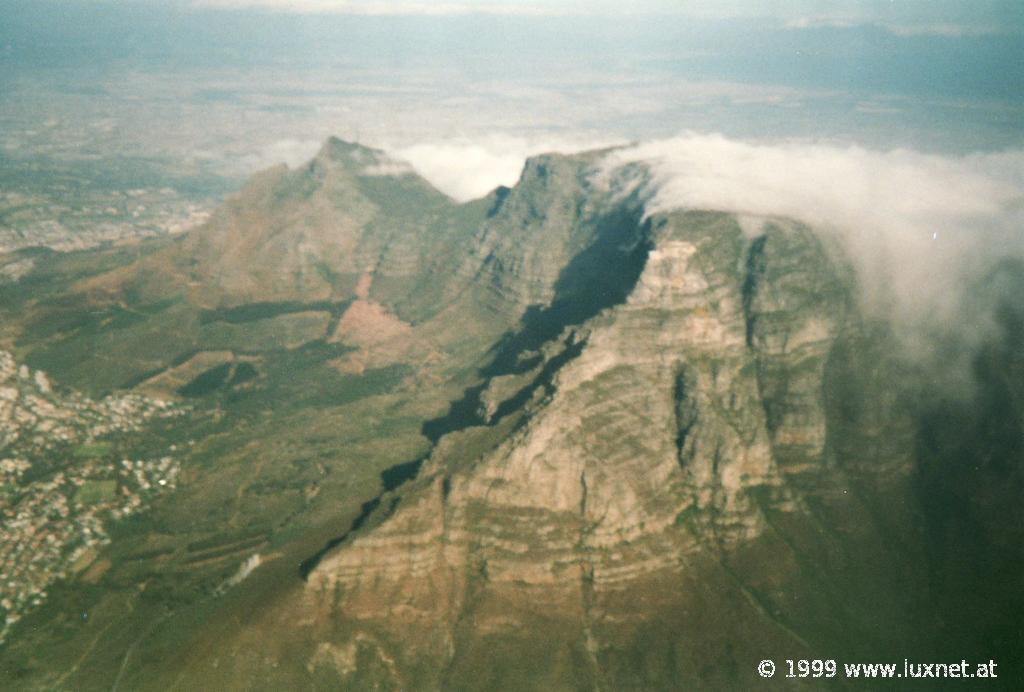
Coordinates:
309	234
353	226
650	448
682	446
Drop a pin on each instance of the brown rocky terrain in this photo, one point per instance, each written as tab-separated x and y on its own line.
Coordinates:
621	451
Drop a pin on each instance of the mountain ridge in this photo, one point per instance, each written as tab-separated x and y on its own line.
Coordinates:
636	449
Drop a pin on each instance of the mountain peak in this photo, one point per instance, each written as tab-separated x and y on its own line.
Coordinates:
339	155
353	159
337	149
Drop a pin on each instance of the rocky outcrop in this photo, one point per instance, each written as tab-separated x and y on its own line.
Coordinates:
308	234
354	225
649	453
681	446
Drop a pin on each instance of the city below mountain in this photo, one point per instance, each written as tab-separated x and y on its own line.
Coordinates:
349	433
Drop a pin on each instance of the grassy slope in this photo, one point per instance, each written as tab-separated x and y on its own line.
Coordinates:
279	463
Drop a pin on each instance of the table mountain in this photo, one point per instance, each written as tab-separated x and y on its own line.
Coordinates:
547	439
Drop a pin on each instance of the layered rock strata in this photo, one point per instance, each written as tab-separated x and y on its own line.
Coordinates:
671	421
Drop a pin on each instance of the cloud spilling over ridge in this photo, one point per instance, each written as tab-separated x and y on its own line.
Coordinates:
467	169
916	225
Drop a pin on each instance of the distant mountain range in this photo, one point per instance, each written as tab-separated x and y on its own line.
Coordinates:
540	440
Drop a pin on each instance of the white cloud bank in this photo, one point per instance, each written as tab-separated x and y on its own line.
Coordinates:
467	169
916	225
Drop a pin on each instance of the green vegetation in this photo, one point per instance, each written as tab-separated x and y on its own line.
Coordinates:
244	372
250	312
54	273
303	378
96	492
685	517
96	359
284	331
208	382
93	450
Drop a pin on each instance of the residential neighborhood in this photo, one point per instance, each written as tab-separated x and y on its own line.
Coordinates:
61	483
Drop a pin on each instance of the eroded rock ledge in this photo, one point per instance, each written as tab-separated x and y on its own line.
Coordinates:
665	449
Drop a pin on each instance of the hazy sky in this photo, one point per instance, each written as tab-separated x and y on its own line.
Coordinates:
899	123
224	87
910	15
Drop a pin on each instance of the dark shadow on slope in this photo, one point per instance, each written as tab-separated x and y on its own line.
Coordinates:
599	277
391	478
307	565
686	410
398	474
970	481
755	269
500	195
207	382
545	380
